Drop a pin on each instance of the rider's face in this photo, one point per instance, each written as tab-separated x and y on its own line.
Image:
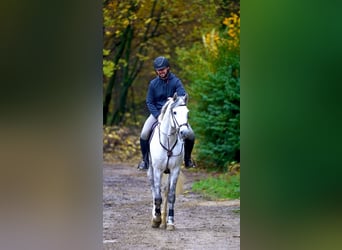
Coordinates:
162	72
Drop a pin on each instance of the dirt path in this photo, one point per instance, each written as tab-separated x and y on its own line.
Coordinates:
200	224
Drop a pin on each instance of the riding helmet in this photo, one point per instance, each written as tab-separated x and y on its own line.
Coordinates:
160	63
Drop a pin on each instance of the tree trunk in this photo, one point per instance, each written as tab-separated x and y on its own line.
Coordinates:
127	82
112	81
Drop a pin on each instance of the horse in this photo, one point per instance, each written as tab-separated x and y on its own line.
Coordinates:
165	157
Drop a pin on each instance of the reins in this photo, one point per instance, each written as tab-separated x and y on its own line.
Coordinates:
168	149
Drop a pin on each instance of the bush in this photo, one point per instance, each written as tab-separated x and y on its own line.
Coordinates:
216	117
213	72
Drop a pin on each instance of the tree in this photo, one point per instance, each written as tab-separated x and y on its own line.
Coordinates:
119	25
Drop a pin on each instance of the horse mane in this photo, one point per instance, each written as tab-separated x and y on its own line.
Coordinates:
170	103
164	108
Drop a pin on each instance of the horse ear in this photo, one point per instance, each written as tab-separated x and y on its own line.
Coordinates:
175	96
186	98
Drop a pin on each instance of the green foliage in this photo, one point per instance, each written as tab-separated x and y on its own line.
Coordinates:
213	71
222	187
214	105
108	67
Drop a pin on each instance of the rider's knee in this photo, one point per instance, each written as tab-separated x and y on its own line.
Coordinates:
191	136
144	136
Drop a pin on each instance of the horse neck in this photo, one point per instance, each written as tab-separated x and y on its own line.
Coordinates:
168	134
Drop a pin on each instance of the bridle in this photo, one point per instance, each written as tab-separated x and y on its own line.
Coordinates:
178	126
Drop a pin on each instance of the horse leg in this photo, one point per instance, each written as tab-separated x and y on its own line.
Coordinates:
151	179
171	198
166	187
156	212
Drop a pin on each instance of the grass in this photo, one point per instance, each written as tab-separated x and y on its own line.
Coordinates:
222	187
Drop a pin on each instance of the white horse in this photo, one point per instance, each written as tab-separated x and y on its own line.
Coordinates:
166	155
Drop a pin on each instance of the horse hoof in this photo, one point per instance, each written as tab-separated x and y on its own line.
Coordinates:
163	226
170	227
155	225
156	222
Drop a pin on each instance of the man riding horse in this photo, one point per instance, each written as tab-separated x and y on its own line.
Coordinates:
163	86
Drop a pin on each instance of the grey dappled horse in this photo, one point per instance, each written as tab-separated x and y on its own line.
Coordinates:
166	153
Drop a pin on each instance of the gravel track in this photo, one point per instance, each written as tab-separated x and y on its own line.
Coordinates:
200	223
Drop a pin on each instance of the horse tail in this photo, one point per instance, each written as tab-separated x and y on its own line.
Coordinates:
180	183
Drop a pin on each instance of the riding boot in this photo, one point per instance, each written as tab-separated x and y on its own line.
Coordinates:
188	146
144	146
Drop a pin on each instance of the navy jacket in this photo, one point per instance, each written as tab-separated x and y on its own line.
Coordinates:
159	90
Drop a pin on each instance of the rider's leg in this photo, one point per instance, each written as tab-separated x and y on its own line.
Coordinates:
188	146
144	147
144	142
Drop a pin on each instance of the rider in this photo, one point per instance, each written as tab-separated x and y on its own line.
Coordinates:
164	85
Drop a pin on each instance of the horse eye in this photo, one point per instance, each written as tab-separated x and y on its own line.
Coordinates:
174	112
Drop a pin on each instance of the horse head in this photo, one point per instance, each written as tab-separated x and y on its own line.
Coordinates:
179	113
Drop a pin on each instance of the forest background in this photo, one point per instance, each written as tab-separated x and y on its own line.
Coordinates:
201	39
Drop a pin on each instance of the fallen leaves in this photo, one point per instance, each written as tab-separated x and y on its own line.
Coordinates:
121	144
